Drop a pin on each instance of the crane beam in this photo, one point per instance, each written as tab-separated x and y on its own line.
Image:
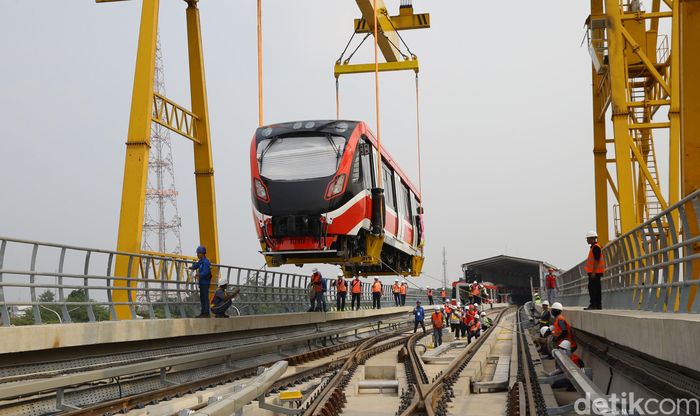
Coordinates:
387	40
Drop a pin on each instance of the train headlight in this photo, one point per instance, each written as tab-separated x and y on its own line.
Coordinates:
336	187
261	191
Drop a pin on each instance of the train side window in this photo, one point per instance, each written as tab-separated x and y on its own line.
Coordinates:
367	164
388	182
355	172
406	202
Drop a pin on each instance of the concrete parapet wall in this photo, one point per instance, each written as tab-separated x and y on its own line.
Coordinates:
672	337
42	337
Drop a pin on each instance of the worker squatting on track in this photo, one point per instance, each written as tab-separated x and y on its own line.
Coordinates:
554	328
202	269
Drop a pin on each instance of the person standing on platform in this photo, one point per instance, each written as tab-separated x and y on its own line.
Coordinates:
377	294
341	288
595	267
443	295
403	290
430	295
475	294
203	276
396	291
419	315
317	283
356	289
551	285
438	318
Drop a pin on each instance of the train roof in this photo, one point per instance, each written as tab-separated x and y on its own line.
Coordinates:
343	128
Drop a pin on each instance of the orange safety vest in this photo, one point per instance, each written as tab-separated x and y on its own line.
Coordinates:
430	292
475	326
316	281
342	287
403	289
475	290
468	318
437	320
395	288
557	331
448	310
443	294
356	286
589	262
577	360
376	287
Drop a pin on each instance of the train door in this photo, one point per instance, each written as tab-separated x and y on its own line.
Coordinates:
406	221
391	217
367	162
417	223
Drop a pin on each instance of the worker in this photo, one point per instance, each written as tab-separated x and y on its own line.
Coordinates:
595	267
341	288
486	322
377	293
419	317
403	290
474	329
475	292
356	289
396	291
443	295
561	327
438	319
537	299
203	277
448	308
455	319
222	300
430	295
467	318
543	342
546	316
567	348
318	303
551	285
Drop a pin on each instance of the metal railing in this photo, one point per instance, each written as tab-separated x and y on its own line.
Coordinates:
53	283
654	267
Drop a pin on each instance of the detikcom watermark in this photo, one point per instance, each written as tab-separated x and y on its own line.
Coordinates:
627	404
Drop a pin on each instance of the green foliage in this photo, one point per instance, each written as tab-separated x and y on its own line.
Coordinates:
50	313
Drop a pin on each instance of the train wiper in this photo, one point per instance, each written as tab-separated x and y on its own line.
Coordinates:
262	154
335	147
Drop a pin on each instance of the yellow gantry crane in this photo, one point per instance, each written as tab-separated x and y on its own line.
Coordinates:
649	83
148	107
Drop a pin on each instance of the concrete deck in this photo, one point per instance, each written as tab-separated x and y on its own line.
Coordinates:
672	337
42	337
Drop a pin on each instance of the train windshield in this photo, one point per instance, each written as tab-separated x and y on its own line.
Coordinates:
296	158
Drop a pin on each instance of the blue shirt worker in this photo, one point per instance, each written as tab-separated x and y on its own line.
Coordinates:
222	300
203	268
419	315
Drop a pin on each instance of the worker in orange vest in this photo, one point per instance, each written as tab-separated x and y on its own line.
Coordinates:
341	288
551	285
377	293
403	290
396	291
317	290
595	267
430	296
475	293
443	295
356	289
561	327
438	318
474	329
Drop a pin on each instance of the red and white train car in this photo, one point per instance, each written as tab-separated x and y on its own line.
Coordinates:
316	199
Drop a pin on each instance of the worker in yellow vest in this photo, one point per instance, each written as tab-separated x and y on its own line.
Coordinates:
595	267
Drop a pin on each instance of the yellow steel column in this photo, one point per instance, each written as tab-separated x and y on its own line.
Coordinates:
620	118
690	93
674	116
137	148
599	147
203	162
689	58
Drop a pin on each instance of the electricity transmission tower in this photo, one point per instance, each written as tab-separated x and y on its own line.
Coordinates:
161	227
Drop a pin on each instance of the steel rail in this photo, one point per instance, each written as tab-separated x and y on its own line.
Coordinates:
428	394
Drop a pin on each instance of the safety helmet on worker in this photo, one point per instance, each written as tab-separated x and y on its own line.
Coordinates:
545	303
544	331
565	345
483	313
340	274
315	270
592	234
396	280
557	306
201	250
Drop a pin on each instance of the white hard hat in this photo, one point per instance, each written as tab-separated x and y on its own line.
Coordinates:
544	330
376	278
546	302
459	304
476	317
396	280
591	234
427	287
315	270
474	281
557	305
340	274
483	313
443	288
566	345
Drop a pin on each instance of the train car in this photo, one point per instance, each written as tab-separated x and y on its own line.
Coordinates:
316	199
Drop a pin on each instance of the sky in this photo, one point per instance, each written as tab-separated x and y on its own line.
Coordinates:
506	134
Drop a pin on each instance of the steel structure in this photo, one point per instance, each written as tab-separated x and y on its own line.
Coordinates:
161	227
639	78
149	106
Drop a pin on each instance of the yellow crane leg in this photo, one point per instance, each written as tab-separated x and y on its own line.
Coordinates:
690	124
599	149
136	163
203	161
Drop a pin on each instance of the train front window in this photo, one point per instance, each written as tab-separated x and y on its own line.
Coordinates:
298	158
